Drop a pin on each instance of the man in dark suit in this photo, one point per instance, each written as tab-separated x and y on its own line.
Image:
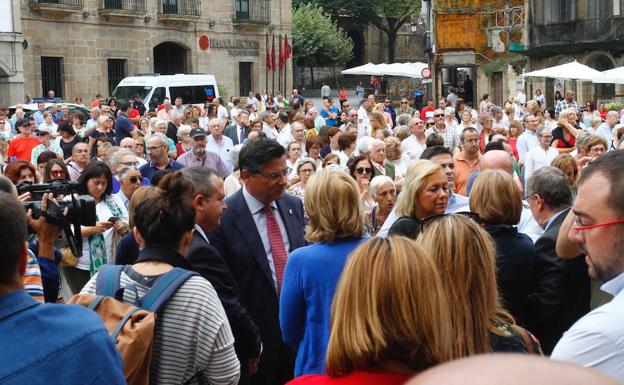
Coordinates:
561	292
238	131
261	225
209	204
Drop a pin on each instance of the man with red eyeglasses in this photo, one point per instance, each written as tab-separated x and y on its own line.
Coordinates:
561	292
594	227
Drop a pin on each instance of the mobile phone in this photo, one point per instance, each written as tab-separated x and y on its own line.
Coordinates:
113	219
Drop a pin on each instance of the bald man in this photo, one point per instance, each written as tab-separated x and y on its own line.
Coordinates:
510	369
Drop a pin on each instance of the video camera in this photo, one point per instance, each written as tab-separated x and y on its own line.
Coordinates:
80	209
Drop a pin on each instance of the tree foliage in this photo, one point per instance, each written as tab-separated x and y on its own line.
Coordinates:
387	15
317	39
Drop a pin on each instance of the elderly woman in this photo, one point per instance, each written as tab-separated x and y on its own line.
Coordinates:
384	192
184	140
304	168
313	149
346	143
293	153
335	229
465	120
389	317
564	136
485	121
395	156
466	259
496	198
595	146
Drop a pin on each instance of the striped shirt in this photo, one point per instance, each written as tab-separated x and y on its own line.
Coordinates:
450	138
32	279
193	342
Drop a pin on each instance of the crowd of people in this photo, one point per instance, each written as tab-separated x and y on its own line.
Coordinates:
279	241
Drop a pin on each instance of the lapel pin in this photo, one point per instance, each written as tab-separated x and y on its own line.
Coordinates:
290	211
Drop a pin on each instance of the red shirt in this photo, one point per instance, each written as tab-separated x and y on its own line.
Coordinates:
423	112
133	114
342	95
355	378
22	147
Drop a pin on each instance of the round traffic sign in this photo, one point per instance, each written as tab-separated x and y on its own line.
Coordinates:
426	73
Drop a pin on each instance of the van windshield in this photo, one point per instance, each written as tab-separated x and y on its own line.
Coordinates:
123	93
193	94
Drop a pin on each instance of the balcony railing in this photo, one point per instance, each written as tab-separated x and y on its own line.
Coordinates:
179	9
122	6
58	7
576	31
71	3
252	11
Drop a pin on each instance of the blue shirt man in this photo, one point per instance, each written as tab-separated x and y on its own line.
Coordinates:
329	113
123	125
46	343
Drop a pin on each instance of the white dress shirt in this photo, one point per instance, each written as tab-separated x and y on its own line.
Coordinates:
256	208
223	149
364	127
538	158
597	339
526	141
413	147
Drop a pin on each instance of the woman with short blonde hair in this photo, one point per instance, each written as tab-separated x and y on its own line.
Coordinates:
390	316
495	197
332	202
465	256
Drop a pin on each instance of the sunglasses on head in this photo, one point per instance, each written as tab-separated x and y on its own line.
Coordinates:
362	170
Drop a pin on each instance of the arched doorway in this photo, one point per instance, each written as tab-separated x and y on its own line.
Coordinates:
170	59
602	63
358	48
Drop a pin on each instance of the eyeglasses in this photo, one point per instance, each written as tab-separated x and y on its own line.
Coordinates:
346	105
131	164
363	170
139	145
153	148
605	224
276	175
306	170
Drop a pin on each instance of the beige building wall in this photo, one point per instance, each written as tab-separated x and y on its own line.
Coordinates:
11	66
86	37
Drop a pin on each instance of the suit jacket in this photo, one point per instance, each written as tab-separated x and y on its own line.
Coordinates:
562	291
231	133
207	261
238	240
389	171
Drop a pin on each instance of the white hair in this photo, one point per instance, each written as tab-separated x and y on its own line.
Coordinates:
163	139
378	182
160	122
183	130
376	141
214	121
364	144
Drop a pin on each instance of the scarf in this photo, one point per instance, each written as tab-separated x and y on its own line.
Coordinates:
97	243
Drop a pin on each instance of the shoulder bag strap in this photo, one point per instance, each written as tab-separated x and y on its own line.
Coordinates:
107	281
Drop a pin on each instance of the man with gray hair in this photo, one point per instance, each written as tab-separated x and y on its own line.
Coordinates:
415	144
219	143
561	292
157	148
500	120
528	139
606	129
92	122
199	157
540	156
268	124
352	117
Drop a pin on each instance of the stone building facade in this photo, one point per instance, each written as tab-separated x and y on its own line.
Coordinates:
81	48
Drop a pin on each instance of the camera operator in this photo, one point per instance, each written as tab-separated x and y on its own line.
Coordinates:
59	334
19	172
41	279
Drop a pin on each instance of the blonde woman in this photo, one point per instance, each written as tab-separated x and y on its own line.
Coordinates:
335	227
564	136
184	139
389	317
394	155
377	122
425	193
465	256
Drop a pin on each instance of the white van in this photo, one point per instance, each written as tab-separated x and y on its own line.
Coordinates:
153	88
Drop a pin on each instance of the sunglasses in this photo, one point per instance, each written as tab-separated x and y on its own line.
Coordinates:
438	115
362	170
57	173
134	179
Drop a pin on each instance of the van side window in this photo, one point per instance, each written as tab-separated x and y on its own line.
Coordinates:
158	97
193	94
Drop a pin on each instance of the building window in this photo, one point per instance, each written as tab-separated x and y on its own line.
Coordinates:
600	9
170	6
555	11
116	72
52	75
242	9
244	77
